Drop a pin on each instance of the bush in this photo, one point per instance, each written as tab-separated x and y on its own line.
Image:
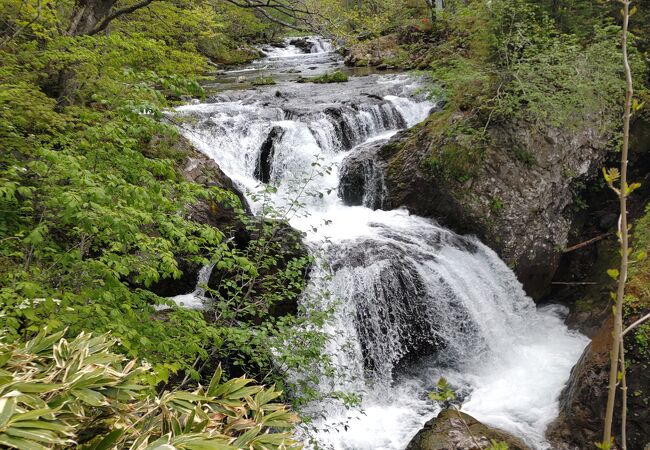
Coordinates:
263	81
335	77
56	393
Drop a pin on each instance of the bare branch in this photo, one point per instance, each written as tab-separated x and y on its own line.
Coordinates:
636	324
117	13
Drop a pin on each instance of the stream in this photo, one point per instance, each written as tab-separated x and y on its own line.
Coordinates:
415	301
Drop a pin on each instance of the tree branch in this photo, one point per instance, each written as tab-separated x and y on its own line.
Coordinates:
19	30
636	324
117	13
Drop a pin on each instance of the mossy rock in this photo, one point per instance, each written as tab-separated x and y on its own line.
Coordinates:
455	430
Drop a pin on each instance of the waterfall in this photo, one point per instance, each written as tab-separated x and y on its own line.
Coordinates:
414	301
194	300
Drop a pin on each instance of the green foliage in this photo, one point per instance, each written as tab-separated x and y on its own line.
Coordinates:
496	205
637	298
460	148
334	77
443	393
263	81
497	445
57	393
95	213
524	156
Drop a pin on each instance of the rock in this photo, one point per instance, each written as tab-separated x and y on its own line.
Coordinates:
455	430
303	44
514	192
170	287
361	178
365	35
233	217
198	168
264	165
583	400
203	170
285	245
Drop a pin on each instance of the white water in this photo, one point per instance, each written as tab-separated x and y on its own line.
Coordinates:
194	300
416	300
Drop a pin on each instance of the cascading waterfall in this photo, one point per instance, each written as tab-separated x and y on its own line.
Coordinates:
415	301
194	300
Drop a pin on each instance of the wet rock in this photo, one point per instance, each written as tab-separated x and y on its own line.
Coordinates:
170	287
514	192
198	168
455	430
233	217
264	165
303	44
361	178
583	400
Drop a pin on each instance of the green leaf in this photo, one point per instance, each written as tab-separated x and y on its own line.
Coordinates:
109	440
89	396
20	443
7	408
214	382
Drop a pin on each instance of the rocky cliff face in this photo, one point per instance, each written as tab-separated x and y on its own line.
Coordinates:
514	190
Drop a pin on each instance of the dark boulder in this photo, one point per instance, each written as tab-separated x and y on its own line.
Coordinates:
224	215
362	178
264	165
303	44
515	191
583	400
455	430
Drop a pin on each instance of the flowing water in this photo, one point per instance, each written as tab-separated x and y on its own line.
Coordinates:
415	300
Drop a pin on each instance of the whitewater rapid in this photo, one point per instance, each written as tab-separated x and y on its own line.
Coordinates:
414	301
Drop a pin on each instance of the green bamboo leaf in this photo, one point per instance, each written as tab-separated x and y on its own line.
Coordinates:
47	436
109	440
19	443
33	414
36	388
89	396
214	382
44	425
7	408
245	439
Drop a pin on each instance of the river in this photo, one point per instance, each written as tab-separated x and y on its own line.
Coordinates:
415	301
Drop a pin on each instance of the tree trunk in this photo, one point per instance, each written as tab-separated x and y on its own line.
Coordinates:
88	14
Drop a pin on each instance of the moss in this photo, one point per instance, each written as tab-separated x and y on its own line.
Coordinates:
458	149
637	298
496	205
524	156
334	77
263	81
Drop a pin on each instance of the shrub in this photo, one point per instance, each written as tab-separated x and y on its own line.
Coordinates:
335	77
56	393
263	81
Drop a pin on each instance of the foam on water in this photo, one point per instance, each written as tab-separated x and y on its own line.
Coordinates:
415	300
